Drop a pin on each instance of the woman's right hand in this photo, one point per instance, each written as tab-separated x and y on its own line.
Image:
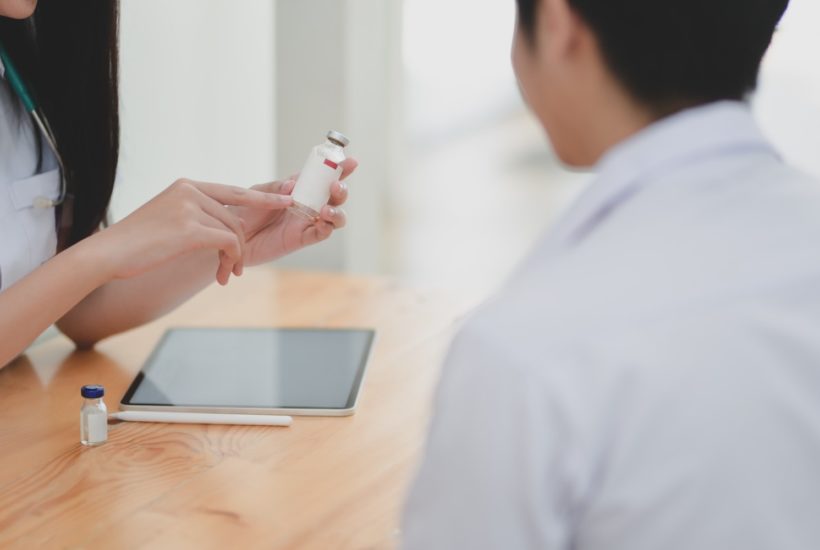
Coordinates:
186	216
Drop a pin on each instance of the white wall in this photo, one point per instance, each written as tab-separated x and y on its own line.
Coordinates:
339	67
198	95
788	102
201	97
458	71
238	91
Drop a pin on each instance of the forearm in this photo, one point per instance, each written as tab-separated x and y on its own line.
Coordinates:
122	304
163	253
35	302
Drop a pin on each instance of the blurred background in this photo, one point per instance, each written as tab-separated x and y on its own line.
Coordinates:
457	180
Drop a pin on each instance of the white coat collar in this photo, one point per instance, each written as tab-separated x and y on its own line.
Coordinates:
680	139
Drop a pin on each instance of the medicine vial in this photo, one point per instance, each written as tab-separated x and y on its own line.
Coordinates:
321	169
93	416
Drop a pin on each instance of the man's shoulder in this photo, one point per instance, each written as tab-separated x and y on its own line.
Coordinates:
675	245
681	252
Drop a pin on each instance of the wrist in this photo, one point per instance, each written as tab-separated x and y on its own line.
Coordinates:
94	259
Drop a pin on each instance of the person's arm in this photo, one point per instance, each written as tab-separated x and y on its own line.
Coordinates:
32	304
493	472
271	233
125	303
182	221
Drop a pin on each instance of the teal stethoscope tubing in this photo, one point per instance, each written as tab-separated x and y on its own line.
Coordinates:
8	70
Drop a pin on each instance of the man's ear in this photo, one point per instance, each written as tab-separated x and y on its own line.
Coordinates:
560	28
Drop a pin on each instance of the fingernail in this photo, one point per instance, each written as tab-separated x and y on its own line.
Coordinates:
331	211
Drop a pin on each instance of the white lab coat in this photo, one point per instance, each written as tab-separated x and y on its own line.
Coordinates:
27	234
650	379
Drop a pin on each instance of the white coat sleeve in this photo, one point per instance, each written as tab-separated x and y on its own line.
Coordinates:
493	473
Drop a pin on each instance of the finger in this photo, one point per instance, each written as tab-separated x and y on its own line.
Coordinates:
223	240
226	265
336	217
317	232
230	221
224	270
348	167
283	187
224	216
239	196
239	268
338	193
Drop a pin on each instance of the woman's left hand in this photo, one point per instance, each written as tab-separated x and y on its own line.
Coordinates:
273	234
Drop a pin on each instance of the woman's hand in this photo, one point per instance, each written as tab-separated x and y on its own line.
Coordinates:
187	216
273	233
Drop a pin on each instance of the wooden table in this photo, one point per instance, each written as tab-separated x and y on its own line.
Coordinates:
328	483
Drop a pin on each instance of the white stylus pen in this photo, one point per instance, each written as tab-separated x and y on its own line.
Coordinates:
202	418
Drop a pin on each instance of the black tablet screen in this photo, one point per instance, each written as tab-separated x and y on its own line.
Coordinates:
262	368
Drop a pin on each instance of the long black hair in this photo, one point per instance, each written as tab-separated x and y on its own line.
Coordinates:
67	52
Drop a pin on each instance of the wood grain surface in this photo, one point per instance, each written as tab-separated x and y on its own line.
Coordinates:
324	483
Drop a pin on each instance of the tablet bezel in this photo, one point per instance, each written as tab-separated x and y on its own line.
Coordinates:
347	410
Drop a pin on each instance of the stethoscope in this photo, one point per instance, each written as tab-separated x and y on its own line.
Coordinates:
9	72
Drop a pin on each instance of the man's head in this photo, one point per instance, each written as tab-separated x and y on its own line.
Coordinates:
595	71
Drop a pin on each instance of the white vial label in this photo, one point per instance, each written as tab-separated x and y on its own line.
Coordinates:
313	186
94	427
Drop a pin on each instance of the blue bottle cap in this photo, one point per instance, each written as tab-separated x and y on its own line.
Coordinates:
92	392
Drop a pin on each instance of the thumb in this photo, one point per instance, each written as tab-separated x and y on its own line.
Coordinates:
349	166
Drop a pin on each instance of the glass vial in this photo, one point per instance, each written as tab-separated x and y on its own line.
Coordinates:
321	169
93	416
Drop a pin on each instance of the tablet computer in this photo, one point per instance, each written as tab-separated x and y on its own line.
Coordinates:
315	372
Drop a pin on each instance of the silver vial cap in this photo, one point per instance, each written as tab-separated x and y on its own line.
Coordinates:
338	137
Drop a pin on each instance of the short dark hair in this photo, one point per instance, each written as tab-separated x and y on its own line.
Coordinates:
675	53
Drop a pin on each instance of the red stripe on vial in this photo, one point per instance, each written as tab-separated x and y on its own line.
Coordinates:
330	163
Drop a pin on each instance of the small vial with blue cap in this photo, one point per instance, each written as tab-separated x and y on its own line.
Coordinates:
93	416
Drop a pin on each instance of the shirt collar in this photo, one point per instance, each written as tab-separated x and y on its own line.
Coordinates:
638	162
